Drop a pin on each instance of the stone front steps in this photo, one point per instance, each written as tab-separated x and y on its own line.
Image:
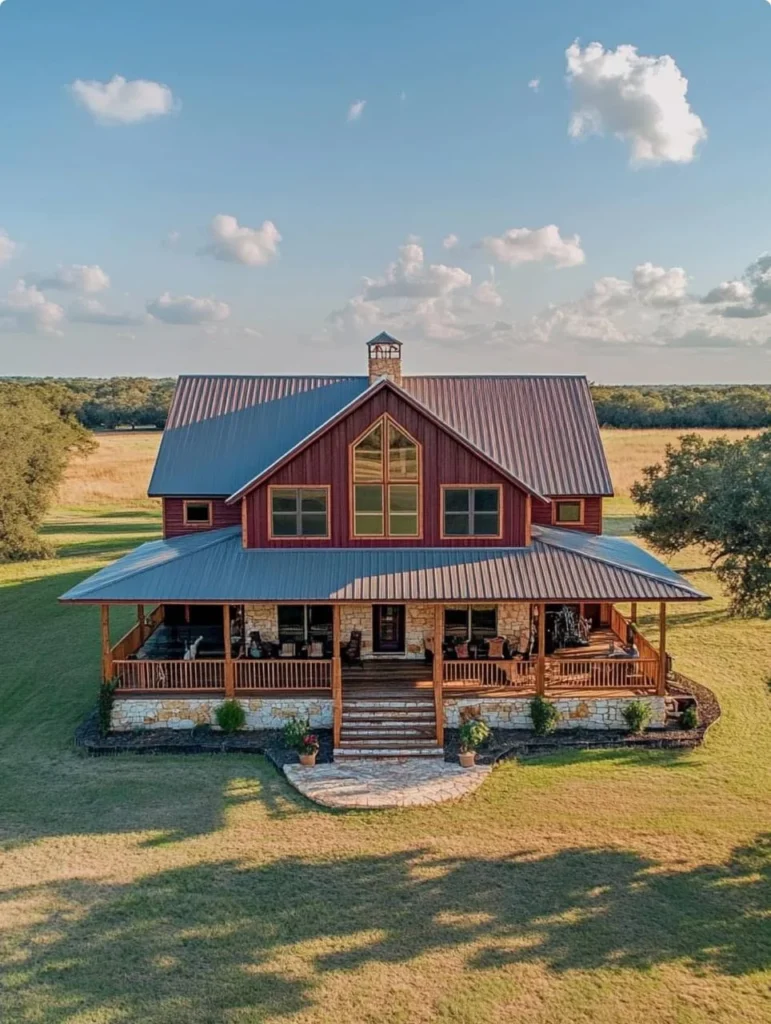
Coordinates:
376	749
388	728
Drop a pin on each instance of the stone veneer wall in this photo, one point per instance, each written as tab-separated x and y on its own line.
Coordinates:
187	712
574	712
513	623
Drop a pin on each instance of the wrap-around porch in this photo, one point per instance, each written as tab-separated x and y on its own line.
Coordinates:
359	649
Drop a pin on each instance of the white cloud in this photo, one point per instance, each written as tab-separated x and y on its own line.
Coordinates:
91	311
186	309
410	277
76	277
450	241
25	308
236	244
355	110
656	286
526	245
121	102
728	291
535	83
171	239
7	248
642	100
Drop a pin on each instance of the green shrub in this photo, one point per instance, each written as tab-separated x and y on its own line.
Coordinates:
298	736
473	734
637	715
545	716
689	719
105	703
230	716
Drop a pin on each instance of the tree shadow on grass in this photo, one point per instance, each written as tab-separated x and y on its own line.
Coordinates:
221	937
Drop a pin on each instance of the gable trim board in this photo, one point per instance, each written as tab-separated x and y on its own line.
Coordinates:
380	385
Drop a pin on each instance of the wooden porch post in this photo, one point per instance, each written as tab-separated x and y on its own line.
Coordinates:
141	623
230	683
439	672
662	687
540	672
106	648
337	676
633	613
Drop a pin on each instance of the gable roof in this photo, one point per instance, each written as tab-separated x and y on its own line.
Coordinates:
225	431
215	567
383	384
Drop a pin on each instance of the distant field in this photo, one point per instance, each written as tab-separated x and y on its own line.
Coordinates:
120	470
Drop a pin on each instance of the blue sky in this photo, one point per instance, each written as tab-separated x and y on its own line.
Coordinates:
451	141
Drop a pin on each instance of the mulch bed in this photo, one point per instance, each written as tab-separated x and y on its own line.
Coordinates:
201	740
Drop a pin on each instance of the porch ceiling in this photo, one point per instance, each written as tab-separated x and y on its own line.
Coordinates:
214	568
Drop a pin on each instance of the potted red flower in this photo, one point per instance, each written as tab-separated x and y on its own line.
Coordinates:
298	736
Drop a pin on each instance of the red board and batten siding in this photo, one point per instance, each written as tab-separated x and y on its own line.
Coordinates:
174	518
542	514
444	461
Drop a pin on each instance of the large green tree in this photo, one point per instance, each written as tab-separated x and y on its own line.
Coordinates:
716	494
38	437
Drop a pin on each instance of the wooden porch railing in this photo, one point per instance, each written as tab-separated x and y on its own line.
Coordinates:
137	635
283	674
503	674
202	674
602	673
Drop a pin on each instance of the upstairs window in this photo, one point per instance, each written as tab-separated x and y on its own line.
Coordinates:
385	467
299	512
197	513
472	512
569	513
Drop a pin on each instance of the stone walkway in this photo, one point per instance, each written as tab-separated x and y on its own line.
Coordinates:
404	782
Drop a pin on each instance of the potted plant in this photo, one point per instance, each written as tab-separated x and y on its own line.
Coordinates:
473	734
298	736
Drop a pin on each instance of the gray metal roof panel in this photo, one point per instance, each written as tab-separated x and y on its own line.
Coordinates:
225	431
214	567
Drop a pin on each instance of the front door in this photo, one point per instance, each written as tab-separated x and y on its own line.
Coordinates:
388	628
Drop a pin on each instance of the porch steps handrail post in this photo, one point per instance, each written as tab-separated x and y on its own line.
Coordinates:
106	649
662	681
438	667
337	677
540	672
230	682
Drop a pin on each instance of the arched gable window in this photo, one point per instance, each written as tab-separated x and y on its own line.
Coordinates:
385	482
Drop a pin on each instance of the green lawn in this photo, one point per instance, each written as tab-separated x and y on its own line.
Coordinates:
601	886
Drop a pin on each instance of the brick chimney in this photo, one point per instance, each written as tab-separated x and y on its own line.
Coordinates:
385	358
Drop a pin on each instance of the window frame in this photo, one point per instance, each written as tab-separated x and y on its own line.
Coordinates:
306	616
198	524
385	484
469	609
471	536
556	502
300	536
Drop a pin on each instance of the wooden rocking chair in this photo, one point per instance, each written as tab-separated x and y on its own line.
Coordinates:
351	652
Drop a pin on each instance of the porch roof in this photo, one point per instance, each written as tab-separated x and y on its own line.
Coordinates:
214	568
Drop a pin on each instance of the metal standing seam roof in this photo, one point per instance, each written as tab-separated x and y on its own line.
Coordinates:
214	567
224	431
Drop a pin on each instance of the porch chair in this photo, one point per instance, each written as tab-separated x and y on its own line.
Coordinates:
496	648
351	652
288	649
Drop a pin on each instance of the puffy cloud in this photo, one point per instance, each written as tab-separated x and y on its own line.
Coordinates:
526	245
25	308
186	309
355	110
450	241
7	248
409	277
121	102
642	100
77	278
91	311
234	243
659	287
535	83
728	291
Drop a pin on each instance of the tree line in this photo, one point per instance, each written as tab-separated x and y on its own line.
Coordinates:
143	402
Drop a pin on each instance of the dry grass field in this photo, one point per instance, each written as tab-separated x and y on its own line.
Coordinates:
119	471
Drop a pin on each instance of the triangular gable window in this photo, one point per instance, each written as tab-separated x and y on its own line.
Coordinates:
385	482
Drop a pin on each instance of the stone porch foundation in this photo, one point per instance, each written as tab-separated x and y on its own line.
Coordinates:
188	712
575	712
